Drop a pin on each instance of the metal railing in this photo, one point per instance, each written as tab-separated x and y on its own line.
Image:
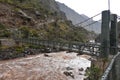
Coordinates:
113	70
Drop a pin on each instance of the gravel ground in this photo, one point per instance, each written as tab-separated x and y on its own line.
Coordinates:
52	66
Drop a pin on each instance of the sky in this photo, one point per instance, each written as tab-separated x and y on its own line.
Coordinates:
92	7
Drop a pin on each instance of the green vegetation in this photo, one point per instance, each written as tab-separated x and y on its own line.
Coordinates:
19	49
4	32
25	32
7	1
63	32
28	32
3	47
97	69
28	4
93	73
11	52
2	26
56	31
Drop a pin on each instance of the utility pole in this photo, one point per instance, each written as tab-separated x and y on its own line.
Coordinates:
109	5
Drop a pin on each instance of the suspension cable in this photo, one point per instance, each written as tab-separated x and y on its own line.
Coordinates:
88	19
91	23
118	17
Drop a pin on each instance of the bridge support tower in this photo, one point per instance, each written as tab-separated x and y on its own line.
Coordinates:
105	29
113	35
109	34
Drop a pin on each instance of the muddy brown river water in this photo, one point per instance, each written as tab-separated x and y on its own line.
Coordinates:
41	67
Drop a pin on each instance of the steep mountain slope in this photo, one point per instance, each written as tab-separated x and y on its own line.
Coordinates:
77	18
71	14
38	18
32	11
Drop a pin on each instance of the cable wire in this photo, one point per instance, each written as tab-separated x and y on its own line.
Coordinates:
118	17
88	19
91	23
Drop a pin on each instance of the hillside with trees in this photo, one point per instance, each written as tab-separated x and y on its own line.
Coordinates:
38	18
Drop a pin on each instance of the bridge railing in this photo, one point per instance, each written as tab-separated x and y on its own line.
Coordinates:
72	46
112	72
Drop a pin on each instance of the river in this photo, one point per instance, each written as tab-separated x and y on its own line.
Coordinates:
45	67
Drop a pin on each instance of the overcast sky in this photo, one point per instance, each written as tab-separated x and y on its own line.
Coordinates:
92	7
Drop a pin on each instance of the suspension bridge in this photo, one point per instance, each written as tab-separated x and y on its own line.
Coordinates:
86	48
108	43
107	46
